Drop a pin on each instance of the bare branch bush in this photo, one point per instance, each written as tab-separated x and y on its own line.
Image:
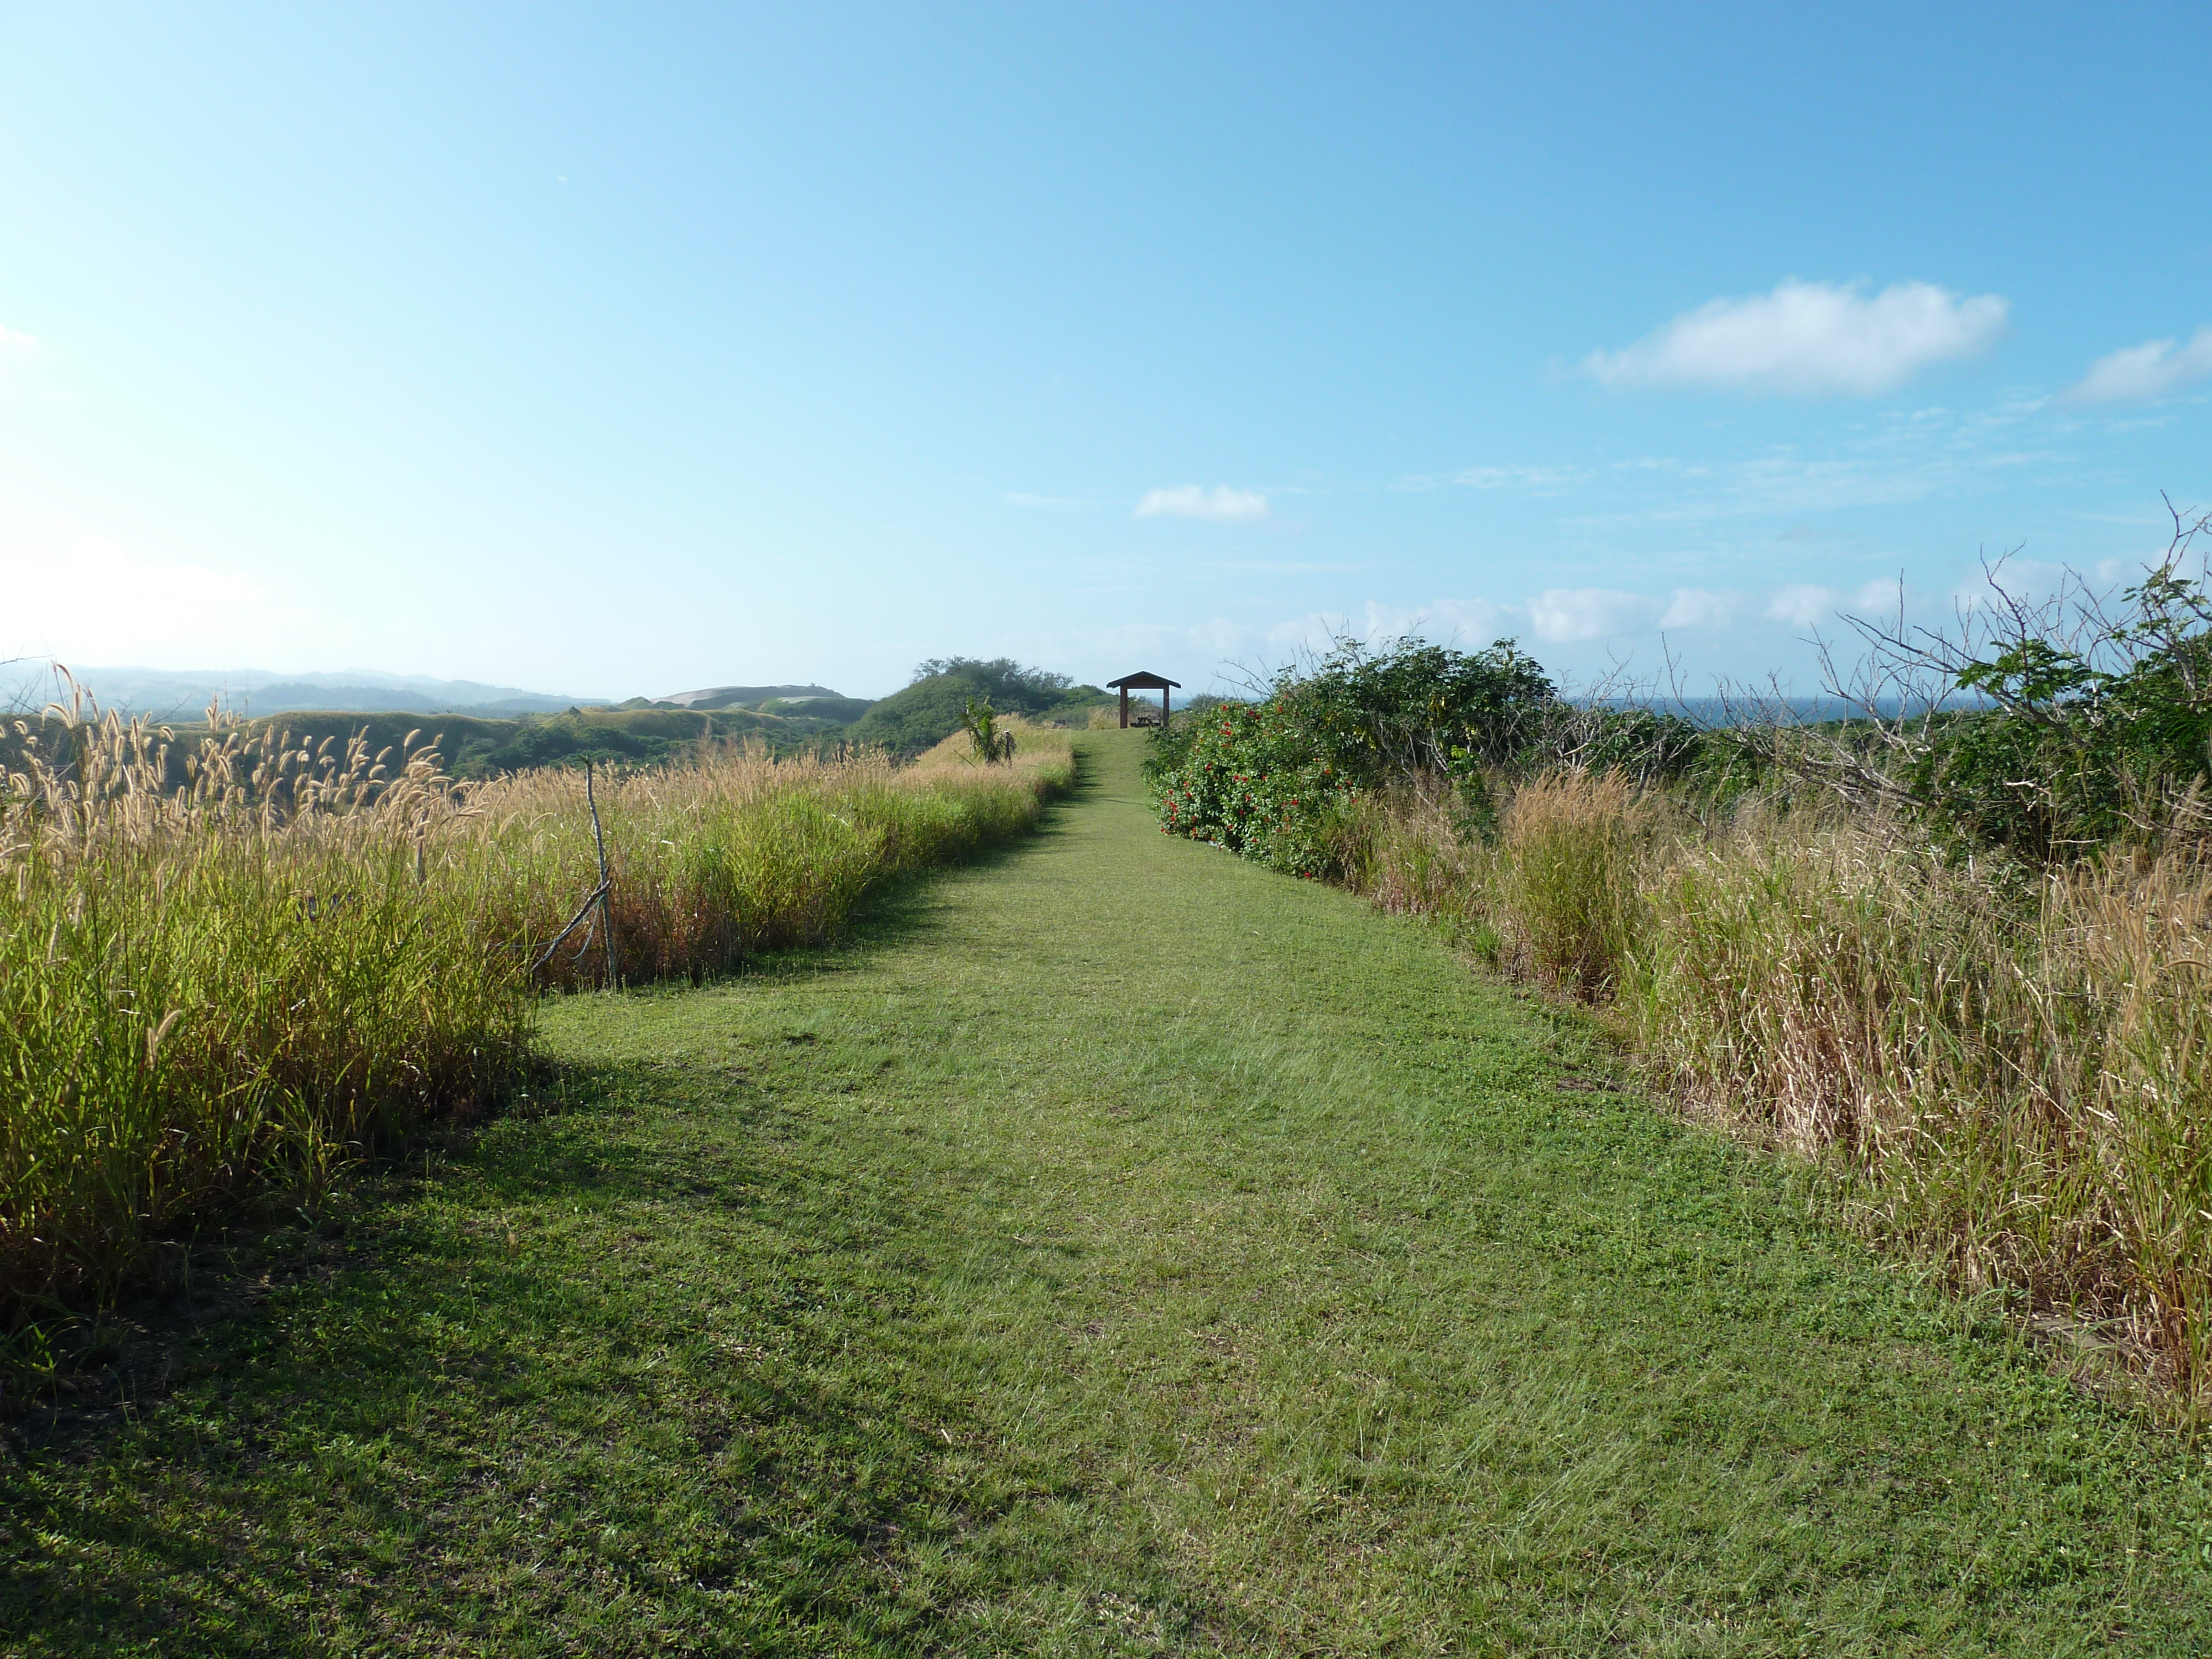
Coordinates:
2049	722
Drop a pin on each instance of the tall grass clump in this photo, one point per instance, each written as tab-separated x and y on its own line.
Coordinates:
2013	1074
245	981
1564	878
741	851
2005	1068
203	988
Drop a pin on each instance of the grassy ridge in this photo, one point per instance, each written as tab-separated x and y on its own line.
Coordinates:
475	747
204	991
1114	1249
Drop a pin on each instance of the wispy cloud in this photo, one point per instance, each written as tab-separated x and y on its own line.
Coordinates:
1563	615
152	608
2155	368
1884	461
1289	567
1059	503
1697	607
16	346
1557	616
1801	604
1809	338
1538	480
1221	503
1607	618
1519	477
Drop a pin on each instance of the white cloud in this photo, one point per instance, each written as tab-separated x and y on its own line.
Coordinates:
1465	625
1886	462
1221	504
2033	582
1802	604
1475	621
1809	337
1563	615
1877	597
1539	480
2139	373
1695	607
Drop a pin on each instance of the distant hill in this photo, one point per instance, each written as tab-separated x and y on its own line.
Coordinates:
751	696
184	694
473	747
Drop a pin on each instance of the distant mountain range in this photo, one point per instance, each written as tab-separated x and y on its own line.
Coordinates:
184	694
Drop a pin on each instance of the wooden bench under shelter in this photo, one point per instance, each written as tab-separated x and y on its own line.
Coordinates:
1147	682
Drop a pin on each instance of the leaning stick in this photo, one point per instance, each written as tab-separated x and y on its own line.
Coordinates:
582	910
606	881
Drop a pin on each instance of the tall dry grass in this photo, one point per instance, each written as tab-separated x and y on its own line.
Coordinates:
248	979
740	853
2006	1068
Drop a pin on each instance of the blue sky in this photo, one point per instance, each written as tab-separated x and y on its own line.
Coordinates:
626	349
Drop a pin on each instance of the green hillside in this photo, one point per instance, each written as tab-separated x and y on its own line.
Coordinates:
928	711
817	712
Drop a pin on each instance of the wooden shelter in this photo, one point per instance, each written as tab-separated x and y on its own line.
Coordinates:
1144	682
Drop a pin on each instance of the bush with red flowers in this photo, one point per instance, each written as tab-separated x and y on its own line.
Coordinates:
1249	777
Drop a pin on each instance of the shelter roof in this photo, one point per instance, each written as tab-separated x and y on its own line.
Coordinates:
1144	681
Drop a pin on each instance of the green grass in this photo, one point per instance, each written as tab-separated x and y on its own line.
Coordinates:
1119	1249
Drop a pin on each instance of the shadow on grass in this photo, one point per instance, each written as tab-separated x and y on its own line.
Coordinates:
900	913
551	1343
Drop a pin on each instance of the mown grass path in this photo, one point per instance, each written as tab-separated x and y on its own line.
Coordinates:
1122	1250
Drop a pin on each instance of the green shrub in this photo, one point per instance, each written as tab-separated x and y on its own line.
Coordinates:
1272	779
1249	779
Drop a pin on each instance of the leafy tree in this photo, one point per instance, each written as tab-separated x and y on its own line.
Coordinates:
1022	690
